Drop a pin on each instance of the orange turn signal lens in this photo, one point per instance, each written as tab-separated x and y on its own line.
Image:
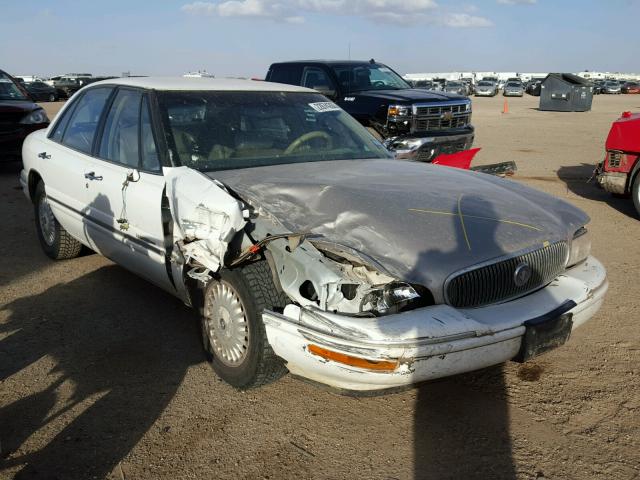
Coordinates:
393	110
378	365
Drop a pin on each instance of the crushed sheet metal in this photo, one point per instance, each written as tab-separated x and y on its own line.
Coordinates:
363	205
206	216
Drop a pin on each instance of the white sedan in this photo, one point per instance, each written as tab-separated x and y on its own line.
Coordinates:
307	246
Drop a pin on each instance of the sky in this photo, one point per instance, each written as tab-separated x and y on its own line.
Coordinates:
243	37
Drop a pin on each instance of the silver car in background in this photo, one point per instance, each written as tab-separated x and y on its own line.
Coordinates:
513	89
455	87
611	87
485	88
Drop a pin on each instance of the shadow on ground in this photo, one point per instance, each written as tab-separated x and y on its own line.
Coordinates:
577	177
121	346
461	423
461	428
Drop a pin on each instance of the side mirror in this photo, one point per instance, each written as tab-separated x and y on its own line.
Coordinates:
133	176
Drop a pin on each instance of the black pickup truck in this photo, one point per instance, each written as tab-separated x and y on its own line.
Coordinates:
414	123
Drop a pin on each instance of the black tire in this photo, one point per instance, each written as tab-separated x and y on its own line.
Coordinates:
253	285
635	192
61	246
52	98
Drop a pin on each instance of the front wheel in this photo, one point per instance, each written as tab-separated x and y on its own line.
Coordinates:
54	239
52	98
635	192
233	334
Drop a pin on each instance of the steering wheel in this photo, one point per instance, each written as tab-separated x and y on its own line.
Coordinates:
307	137
379	83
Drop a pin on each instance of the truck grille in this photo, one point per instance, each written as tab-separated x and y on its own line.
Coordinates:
615	157
441	117
494	283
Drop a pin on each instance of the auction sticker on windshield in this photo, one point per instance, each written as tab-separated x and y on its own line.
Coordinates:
325	107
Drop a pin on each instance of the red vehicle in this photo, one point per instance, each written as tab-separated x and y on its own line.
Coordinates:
618	172
631	87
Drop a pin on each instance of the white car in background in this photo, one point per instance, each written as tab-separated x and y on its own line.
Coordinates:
306	244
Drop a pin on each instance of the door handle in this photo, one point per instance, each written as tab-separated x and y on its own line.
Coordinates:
92	176
44	155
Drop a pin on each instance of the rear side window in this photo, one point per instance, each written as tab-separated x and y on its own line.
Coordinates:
81	130
61	124
120	136
316	78
289	74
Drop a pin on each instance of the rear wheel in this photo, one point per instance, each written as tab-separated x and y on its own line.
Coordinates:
54	239
635	192
233	333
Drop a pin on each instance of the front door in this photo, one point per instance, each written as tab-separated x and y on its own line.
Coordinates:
124	202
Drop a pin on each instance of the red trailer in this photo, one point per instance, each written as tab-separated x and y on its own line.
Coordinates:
618	172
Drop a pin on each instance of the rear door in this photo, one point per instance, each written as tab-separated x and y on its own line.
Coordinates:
124	204
67	153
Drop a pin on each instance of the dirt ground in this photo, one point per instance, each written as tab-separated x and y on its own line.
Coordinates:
102	375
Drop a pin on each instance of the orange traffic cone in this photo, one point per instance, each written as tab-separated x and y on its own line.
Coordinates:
505	107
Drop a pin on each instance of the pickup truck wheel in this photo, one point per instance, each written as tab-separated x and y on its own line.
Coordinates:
233	334
635	192
54	239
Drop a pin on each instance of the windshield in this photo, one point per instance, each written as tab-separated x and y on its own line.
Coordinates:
9	90
372	76
513	84
454	84
485	84
211	131
612	84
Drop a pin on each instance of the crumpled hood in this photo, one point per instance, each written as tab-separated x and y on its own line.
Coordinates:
421	222
410	95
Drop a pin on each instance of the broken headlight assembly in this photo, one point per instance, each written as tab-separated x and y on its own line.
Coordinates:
392	296
398	113
580	247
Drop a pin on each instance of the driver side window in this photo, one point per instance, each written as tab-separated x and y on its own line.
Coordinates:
120	136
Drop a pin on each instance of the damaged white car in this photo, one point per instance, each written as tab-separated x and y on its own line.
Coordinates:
307	247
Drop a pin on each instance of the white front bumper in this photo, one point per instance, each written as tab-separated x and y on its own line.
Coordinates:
429	343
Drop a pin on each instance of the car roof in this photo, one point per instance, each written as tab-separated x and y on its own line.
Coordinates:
331	62
201	83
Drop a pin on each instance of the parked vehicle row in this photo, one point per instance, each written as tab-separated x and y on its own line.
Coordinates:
40	91
305	244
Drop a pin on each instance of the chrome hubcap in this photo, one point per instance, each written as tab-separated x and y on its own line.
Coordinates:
47	221
226	325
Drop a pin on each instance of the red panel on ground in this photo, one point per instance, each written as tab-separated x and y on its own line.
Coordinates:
457	160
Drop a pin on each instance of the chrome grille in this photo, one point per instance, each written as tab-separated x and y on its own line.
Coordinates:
441	117
424	111
494	282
